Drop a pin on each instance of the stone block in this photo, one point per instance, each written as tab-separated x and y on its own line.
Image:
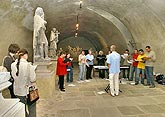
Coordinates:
46	85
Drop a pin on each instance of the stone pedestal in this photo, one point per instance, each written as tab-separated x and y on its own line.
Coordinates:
45	79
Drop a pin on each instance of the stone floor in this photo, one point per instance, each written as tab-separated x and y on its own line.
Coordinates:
84	100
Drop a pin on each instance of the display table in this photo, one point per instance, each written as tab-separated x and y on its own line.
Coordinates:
9	107
96	68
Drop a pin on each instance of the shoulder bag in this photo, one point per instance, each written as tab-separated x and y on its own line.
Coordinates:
33	95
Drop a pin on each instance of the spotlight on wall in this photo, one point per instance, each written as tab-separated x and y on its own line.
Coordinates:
77	25
76	34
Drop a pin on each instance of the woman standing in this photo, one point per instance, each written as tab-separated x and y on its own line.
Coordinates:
24	76
69	76
61	70
82	66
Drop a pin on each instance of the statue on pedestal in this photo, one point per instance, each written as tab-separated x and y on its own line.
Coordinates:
40	43
53	42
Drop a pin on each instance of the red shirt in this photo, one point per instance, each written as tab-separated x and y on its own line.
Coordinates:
61	67
134	56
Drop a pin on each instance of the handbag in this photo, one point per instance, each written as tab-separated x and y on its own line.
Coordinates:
33	95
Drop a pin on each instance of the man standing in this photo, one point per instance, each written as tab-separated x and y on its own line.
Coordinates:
126	58
140	67
134	64
113	61
149	66
89	59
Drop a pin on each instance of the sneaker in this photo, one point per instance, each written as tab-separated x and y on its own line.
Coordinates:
87	81
112	95
71	85
152	86
116	94
136	83
82	81
79	81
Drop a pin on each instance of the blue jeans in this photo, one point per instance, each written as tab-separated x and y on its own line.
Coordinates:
69	76
137	75
82	68
124	72
149	75
134	69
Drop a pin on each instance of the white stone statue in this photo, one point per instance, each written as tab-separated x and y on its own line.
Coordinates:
53	42
40	42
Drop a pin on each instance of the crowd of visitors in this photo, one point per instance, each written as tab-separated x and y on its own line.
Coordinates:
142	66
140	63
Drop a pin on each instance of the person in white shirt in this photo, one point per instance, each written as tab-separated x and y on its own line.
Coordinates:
24	76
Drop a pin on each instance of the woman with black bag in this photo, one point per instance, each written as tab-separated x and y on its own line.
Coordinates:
24	76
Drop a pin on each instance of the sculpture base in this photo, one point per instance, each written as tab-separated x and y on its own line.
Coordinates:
46	85
45	79
43	68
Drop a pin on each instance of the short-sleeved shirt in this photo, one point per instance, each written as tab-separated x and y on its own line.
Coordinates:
114	61
89	59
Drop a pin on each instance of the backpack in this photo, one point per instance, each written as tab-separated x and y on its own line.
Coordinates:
160	79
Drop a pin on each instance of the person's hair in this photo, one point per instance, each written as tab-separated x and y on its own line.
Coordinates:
63	52
136	49
21	53
13	48
100	52
141	50
67	54
127	50
113	47
148	47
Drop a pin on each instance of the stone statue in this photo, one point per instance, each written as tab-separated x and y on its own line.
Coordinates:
40	43
53	42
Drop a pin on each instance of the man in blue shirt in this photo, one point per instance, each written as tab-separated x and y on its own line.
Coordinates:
113	61
89	59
